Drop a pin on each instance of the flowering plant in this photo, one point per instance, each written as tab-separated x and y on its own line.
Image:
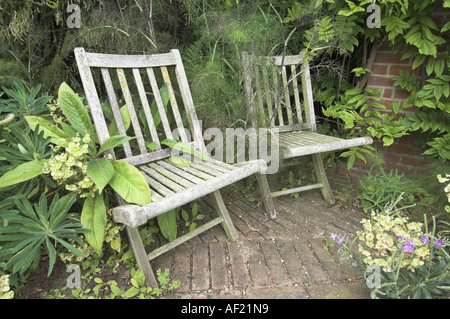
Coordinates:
388	241
83	168
446	189
5	292
410	261
69	168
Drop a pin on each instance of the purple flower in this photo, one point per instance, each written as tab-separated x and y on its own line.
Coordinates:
408	247
401	237
439	243
337	238
425	239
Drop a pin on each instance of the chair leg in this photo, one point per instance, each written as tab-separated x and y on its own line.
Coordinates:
266	196
322	178
141	257
228	225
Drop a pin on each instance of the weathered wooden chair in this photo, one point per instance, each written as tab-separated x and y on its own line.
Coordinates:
171	185
291	113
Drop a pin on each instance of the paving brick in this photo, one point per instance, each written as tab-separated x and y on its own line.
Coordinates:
329	264
258	269
274	262
218	262
182	266
292	261
200	267
313	267
239	269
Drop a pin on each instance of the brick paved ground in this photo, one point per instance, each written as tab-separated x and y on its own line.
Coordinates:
280	258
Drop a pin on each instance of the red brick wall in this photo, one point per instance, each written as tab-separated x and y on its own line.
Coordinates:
401	155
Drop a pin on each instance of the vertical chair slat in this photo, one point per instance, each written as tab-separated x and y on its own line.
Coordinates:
308	101
188	102
268	94
287	99
173	103
249	92
131	111
115	109
159	103
296	94
146	107
276	97
259	91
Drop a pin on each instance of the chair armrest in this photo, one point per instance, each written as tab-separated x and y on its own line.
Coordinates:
130	215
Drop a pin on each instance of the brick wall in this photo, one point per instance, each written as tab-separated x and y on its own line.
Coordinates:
401	155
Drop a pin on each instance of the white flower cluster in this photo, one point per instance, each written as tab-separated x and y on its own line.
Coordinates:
446	189
5	292
384	237
70	167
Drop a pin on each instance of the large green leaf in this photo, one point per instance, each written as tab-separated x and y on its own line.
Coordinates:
126	119
75	111
113	141
49	129
130	184
167	222
93	217
22	173
100	170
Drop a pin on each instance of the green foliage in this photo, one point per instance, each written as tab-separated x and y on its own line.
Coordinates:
380	190
81	169
20	146
427	282
24	100
361	109
93	217
433	107
22	173
406	24
75	111
27	232
129	183
191	221
167	223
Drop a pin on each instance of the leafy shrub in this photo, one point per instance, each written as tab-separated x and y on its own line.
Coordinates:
24	100
32	229
408	259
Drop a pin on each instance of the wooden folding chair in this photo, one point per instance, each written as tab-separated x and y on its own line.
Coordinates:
274	100
171	185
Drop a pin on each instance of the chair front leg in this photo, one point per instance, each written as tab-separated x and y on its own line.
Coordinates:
141	256
266	196
322	178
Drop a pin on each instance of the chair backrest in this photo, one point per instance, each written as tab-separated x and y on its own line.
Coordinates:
275	96
152	87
